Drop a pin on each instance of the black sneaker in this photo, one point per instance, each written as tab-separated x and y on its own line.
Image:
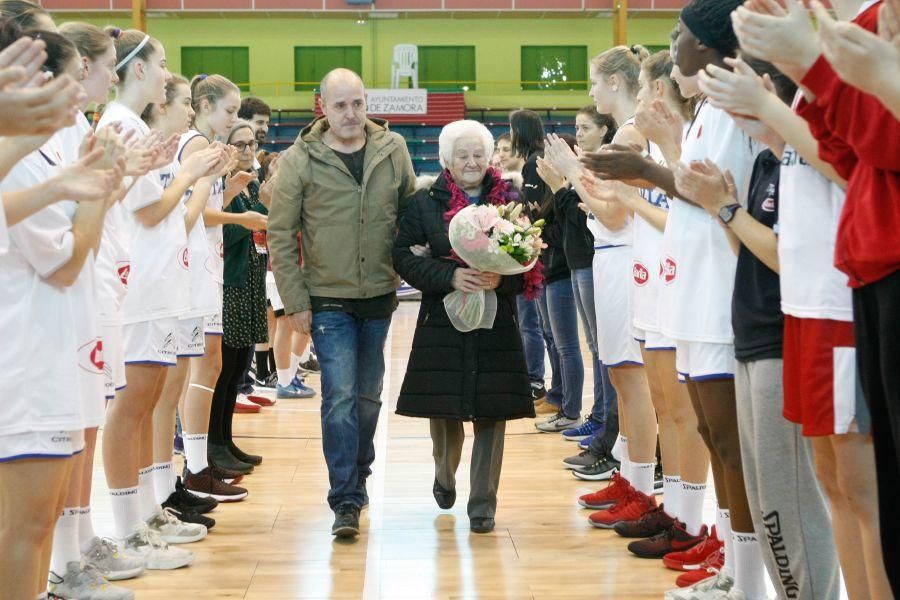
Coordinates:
538	391
346	521
365	495
268	382
193	517
601	470
311	365
585	458
650	524
481	524
182	500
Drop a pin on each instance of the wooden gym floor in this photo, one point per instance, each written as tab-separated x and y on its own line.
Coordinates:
277	544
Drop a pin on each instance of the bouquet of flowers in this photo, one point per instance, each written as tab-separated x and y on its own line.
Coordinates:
493	238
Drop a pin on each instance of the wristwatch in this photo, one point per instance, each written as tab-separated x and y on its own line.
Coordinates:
726	213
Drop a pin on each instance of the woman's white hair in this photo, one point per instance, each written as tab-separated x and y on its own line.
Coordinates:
452	132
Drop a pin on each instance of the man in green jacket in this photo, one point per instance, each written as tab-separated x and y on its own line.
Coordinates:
342	186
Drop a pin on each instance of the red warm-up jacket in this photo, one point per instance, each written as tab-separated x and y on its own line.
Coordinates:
861	139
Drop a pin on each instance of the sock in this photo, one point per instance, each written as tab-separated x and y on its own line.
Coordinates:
195	448
43	596
625	469
723	525
262	364
295	364
285	376
126	511
642	477
270	356
305	356
65	542
672	495
146	495
86	533
691	506
163	481
616	451
749	571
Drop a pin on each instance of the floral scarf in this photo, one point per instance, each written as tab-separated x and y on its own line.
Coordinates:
501	193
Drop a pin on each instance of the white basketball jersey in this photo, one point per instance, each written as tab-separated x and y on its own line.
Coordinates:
37	317
204	296
697	264
157	274
215	261
809	207
646	280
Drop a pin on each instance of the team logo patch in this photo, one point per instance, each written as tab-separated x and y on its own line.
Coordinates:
668	269
768	205
90	357
640	273
123	268
184	257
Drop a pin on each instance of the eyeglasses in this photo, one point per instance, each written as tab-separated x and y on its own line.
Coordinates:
241	146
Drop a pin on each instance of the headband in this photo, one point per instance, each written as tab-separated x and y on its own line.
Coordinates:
133	53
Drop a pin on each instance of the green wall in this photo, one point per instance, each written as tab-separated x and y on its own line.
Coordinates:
497	41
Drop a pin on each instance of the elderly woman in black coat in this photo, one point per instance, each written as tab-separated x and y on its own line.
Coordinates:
479	376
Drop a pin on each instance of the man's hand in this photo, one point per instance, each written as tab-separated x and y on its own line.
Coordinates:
301	322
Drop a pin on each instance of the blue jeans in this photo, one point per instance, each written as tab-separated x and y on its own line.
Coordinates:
351	356
604	392
558	313
555	391
532	338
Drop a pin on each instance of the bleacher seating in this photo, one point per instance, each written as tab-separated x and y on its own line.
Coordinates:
422	140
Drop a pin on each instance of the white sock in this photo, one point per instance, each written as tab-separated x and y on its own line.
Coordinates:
86	533
43	596
285	376
305	356
195	451
642	477
691	506
126	511
65	542
146	494
625	469
163	481
749	571
295	364
616	451
672	495
723	524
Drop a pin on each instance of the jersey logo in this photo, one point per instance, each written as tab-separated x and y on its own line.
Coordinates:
768	204
668	270
220	249
699	131
90	357
641	274
124	268
184	257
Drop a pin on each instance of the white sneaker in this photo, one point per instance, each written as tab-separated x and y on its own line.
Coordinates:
558	422
105	556
84	582
715	587
175	531
156	554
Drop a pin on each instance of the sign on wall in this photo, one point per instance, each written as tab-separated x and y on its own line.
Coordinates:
397	102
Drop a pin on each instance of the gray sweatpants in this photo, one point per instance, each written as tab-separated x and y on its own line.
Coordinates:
447	437
788	508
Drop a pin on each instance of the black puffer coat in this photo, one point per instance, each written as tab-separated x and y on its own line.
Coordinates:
454	375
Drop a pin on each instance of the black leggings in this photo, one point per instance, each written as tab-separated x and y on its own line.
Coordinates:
876	320
234	361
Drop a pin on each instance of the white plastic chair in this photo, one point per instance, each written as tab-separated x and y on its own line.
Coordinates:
405	64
